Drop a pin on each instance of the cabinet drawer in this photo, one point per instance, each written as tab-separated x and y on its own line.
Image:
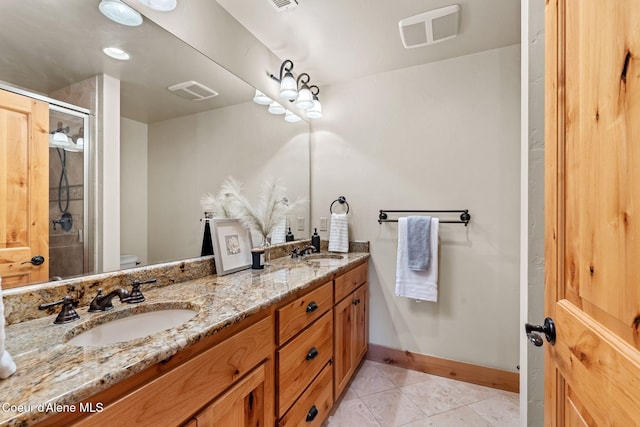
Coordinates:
302	359
176	395
315	403
295	316
350	280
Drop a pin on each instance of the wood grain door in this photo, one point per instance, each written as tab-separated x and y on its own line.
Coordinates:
24	186
592	277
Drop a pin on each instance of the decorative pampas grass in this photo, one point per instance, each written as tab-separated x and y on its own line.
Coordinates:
216	205
271	209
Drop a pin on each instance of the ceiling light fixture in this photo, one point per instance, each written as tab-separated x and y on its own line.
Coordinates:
315	112
117	53
261	98
305	97
160	5
120	13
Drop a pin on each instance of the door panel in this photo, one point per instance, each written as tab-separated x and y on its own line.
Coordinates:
24	183
592	205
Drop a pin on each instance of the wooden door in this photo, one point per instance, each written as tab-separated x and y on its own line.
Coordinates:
592	225
24	186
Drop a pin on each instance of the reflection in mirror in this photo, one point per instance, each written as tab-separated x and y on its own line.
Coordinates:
168	150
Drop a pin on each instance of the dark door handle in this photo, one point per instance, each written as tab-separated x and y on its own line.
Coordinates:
312	414
312	307
548	329
312	353
36	260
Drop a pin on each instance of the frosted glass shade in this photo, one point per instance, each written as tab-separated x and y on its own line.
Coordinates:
291	117
275	108
288	87
315	112
305	99
261	98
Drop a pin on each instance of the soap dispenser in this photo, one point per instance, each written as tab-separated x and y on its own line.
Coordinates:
315	240
289	237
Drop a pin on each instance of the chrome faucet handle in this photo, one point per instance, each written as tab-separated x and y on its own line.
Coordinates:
136	296
294	253
67	313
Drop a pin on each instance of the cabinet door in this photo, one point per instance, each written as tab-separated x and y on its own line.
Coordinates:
360	324
242	406
343	348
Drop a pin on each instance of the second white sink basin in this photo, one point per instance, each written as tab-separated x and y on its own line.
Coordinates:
132	327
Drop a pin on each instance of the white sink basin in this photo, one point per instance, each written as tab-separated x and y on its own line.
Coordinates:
322	258
132	327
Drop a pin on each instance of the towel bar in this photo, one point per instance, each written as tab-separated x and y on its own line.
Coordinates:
465	217
342	200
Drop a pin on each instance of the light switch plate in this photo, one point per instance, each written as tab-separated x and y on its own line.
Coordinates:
323	224
300	223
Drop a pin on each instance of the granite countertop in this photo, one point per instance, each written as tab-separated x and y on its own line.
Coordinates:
51	372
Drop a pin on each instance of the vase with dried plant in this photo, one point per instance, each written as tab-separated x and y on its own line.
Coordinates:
272	208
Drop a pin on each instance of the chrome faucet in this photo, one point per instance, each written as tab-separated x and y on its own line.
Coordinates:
308	249
103	302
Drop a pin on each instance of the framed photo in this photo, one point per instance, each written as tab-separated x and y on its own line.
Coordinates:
232	243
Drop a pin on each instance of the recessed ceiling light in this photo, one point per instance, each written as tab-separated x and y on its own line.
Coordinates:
117	53
160	5
120	13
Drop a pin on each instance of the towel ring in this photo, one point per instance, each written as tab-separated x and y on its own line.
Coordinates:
342	200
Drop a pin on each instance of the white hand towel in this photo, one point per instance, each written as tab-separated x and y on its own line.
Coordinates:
339	233
279	231
416	284
7	365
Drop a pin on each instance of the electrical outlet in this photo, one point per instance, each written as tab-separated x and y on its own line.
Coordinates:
323	224
300	223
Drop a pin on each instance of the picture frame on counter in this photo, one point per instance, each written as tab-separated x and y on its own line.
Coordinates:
232	246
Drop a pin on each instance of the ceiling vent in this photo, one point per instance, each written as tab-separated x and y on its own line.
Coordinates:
430	27
193	91
282	5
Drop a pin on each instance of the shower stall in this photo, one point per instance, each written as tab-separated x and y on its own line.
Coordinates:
68	192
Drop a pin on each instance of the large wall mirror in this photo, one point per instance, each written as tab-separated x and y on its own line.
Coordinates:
172	149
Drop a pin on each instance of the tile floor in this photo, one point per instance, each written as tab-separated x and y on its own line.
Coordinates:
387	396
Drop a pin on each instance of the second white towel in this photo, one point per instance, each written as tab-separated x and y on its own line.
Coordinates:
339	233
417	284
278	234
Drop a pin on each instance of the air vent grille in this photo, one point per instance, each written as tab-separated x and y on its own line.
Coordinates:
193	91
430	27
282	5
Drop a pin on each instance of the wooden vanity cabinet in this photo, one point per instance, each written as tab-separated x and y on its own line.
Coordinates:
351	325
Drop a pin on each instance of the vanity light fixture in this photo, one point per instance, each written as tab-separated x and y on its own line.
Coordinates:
261	98
298	91
275	108
117	53
291	117
119	12
315	112
160	5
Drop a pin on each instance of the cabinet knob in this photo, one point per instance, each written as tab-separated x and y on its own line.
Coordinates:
313	352
356	301
312	414
312	307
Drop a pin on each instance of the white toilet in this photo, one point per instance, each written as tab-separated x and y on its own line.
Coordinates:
128	261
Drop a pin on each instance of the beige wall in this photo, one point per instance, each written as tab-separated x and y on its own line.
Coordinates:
133	189
190	156
437	136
